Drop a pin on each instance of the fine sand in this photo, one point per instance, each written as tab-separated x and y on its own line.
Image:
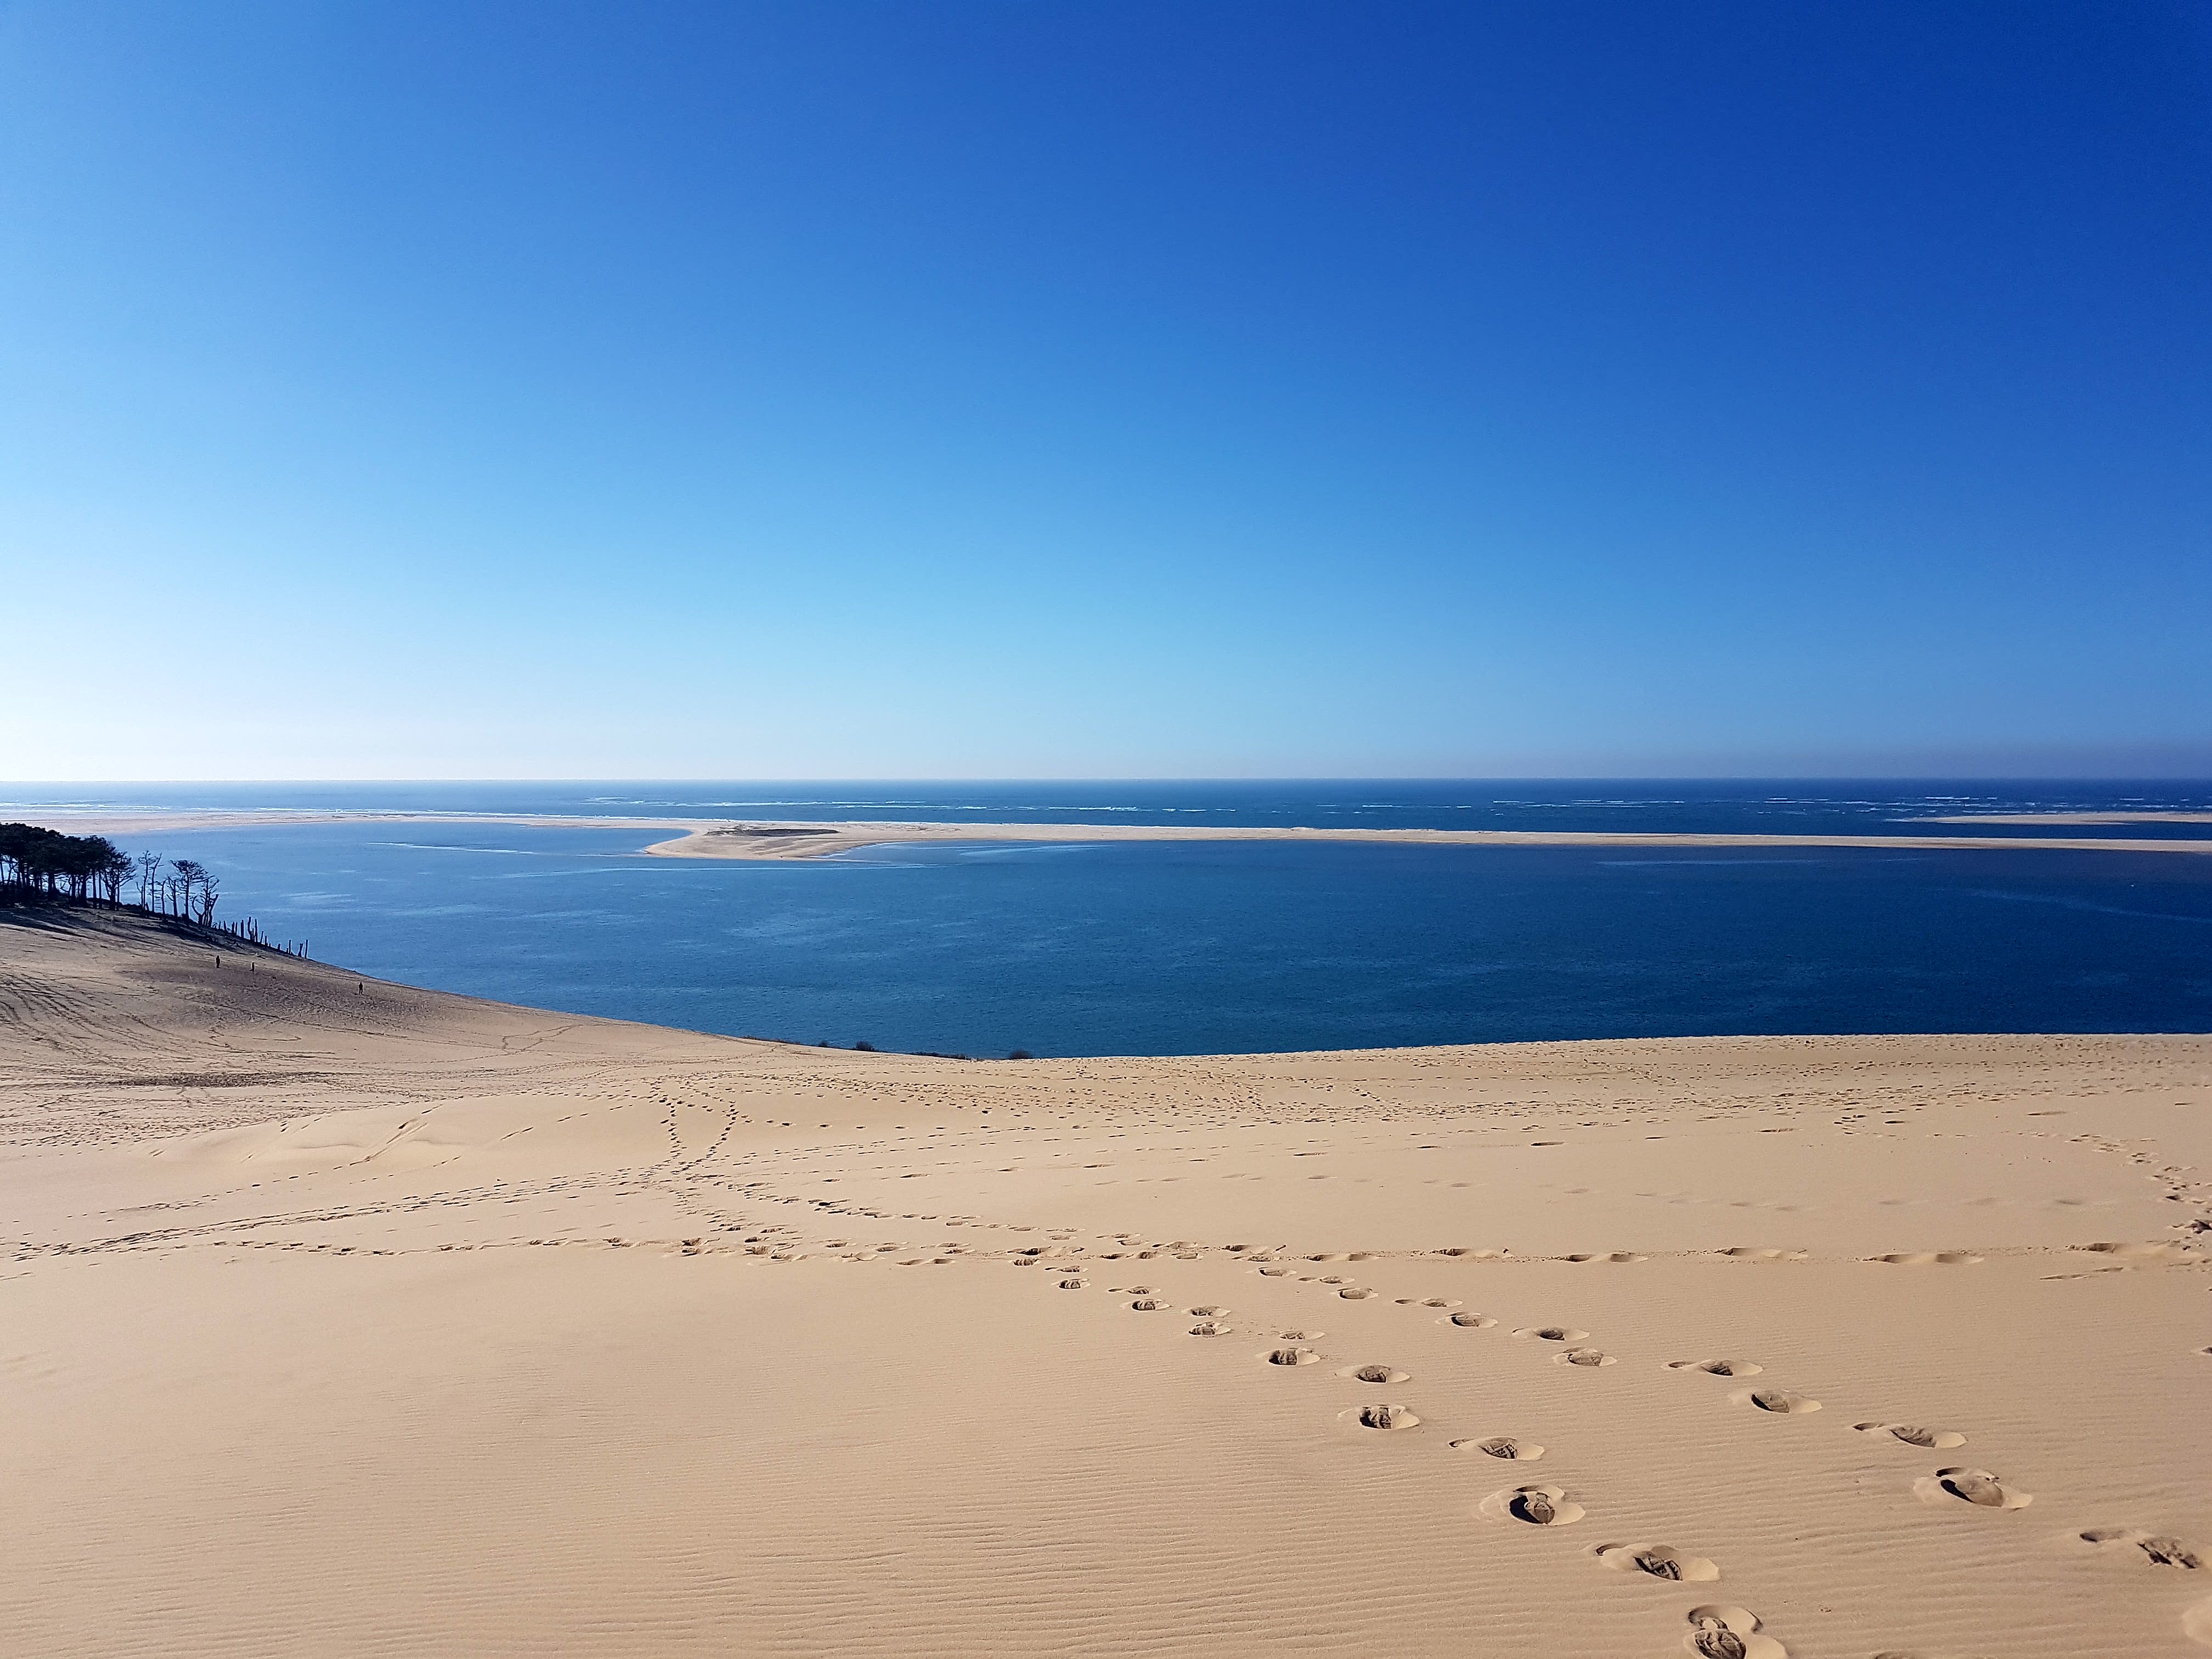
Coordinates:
341	1318
809	839
806	840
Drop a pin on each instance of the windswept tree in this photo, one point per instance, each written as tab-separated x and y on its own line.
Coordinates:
47	864
36	860
185	879
111	867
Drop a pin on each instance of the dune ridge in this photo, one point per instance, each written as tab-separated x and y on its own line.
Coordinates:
346	1318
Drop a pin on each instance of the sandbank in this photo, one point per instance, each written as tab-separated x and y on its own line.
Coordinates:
797	840
810	839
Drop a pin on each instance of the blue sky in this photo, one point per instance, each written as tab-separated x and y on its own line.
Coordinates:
833	390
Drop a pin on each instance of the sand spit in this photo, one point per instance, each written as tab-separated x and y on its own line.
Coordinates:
805	840
339	1318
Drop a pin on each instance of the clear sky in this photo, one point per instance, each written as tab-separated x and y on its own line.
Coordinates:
1060	387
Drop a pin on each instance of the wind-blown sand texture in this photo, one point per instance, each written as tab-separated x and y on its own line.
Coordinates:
341	1318
805	840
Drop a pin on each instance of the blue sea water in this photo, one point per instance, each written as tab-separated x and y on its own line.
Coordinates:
1167	948
1796	807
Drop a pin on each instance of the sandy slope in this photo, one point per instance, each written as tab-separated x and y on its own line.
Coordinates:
340	1318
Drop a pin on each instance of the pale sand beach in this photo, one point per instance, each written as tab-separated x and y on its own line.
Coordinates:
817	840
341	1318
808	839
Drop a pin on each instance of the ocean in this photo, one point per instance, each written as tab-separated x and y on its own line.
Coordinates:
1075	948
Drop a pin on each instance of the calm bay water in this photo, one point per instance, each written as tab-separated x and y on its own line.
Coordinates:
1162	948
1856	806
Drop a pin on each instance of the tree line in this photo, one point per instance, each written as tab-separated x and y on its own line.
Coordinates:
40	863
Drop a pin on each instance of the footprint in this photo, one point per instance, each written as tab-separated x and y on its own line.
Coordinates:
1757	1253
1538	1506
1302	1336
1554	1334
1148	1304
1720	1633
1274	1273
1502	1446
1209	1328
1374	1374
2160	1549
1290	1357
1073	1284
1207	1312
1913	1435
1382	1417
1658	1561
1976	1487
1926	1258
2153	1252
1775	1399
1355	1294
1717	1367
1590	1357
1617	1256
2197	1623
1470	1321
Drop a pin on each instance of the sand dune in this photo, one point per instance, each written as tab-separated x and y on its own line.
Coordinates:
346	1319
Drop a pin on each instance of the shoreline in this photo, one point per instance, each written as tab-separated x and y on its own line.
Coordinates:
763	839
787	841
551	1325
101	926
153	820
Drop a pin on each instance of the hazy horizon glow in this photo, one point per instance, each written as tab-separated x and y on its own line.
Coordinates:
988	390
